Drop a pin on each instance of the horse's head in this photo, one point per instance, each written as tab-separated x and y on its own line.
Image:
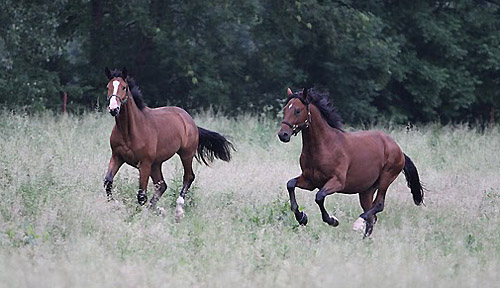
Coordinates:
297	115
118	90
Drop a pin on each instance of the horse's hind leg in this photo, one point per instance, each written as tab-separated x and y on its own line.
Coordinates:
159	184
187	163
378	203
366	199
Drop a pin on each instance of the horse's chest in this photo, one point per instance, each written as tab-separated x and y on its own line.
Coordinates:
318	170
314	173
127	154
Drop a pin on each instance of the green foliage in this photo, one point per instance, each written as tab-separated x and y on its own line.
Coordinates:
380	60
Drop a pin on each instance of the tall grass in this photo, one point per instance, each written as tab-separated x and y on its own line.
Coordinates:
58	230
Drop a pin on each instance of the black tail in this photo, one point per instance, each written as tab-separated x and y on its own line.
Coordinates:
213	145
413	181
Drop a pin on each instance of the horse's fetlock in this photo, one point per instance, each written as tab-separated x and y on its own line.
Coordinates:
142	197
379	207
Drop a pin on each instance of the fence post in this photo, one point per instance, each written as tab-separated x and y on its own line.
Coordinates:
65	100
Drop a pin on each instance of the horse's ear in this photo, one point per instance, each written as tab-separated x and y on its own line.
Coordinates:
124	73
289	91
108	73
304	94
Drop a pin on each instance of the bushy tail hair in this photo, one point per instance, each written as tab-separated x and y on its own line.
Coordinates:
413	181
212	145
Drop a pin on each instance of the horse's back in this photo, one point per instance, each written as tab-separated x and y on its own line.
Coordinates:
176	128
373	144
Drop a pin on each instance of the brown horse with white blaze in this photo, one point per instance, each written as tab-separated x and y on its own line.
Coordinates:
146	137
335	161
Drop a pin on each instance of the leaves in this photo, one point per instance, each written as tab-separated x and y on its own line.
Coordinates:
425	61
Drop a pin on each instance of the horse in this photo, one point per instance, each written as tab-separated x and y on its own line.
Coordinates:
335	161
146	137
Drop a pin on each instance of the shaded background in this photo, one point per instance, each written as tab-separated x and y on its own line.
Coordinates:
400	61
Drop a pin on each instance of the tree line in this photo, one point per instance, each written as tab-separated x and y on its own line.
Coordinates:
381	60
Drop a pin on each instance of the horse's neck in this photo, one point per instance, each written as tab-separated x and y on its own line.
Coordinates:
318	131
129	119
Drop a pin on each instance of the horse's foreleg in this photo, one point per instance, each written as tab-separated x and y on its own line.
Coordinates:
188	178
330	187
114	164
301	182
144	173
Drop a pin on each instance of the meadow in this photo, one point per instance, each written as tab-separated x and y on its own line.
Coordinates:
58	230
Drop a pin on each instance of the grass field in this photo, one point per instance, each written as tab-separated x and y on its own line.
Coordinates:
58	230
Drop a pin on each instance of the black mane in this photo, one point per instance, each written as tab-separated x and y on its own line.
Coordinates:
322	101
134	88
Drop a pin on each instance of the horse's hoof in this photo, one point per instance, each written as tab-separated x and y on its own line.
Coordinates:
142	198
359	224
368	231
303	219
333	222
179	212
160	210
178	216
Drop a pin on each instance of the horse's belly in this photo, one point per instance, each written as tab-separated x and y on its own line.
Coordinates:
359	182
353	183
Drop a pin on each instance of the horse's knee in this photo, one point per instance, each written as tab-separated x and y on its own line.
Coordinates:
290	185
320	196
108	179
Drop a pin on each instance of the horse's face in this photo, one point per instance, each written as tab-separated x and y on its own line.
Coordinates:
295	117
117	92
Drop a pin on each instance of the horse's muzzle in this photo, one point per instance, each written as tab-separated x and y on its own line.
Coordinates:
284	136
114	112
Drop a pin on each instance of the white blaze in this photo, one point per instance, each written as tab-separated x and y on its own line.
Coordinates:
116	84
113	102
290	107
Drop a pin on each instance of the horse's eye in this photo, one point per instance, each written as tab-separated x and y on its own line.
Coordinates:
124	88
297	111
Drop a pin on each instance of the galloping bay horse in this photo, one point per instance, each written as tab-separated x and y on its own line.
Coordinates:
335	161
146	137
